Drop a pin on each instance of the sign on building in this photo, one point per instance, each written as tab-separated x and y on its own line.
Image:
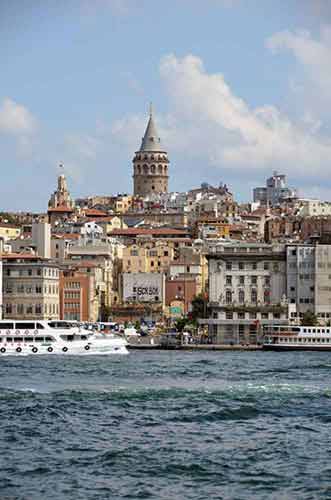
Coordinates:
143	287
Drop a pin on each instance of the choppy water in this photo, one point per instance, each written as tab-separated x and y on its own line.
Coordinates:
166	425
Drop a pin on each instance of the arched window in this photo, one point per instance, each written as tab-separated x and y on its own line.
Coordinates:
145	168
153	169
254	296
152	157
139	169
153	187
165	169
228	297
241	296
160	169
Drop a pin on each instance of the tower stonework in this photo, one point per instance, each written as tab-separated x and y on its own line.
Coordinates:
150	164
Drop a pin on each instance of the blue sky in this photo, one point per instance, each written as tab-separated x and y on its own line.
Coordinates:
240	88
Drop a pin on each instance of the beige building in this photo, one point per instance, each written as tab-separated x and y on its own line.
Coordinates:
30	287
9	231
154	257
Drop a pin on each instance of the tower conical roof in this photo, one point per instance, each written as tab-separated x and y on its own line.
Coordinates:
151	140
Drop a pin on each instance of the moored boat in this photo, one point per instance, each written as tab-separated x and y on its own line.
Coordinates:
56	337
297	338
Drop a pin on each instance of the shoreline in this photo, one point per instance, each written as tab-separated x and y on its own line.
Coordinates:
195	347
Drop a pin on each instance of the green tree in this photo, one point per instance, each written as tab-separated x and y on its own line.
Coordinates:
199	307
180	324
309	319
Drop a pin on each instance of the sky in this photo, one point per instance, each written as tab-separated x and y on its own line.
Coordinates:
240	88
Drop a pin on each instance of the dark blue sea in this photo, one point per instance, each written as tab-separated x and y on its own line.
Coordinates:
166	425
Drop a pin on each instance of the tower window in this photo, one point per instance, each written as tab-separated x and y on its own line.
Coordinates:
153	187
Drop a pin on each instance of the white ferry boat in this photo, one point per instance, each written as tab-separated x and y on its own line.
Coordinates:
55	337
308	338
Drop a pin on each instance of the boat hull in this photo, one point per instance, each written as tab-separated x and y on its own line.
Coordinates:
273	347
73	350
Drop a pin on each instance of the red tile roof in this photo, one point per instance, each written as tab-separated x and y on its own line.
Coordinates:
93	212
60	209
160	231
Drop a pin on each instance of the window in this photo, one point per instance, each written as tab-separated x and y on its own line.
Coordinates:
6	326
241	266
228	266
8	308
241	296
38	289
228	296
241	280
267	280
25	326
254	296
266	266
29	309
229	315
254	266
253	280
29	272
228	280
241	315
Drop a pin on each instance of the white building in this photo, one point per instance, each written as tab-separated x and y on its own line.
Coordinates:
247	289
309	280
310	208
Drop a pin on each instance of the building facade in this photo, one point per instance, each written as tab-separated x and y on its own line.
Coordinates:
309	280
30	287
247	289
150	164
79	297
275	191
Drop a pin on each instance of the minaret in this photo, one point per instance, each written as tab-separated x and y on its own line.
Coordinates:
150	163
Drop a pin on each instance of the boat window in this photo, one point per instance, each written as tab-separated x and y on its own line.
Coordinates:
49	339
83	337
9	339
39	326
70	338
39	339
304	330
318	330
25	326
59	324
18	339
28	339
6	326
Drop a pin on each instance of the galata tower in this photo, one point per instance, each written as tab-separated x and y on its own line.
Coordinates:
150	163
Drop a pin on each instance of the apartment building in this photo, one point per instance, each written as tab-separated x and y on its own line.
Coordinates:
247	289
309	280
30	287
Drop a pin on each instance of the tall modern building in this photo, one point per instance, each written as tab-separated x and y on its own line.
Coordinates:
275	191
150	164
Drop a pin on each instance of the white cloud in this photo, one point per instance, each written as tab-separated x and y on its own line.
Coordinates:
229	132
313	56
16	119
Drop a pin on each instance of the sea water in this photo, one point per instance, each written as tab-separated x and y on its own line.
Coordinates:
166	425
